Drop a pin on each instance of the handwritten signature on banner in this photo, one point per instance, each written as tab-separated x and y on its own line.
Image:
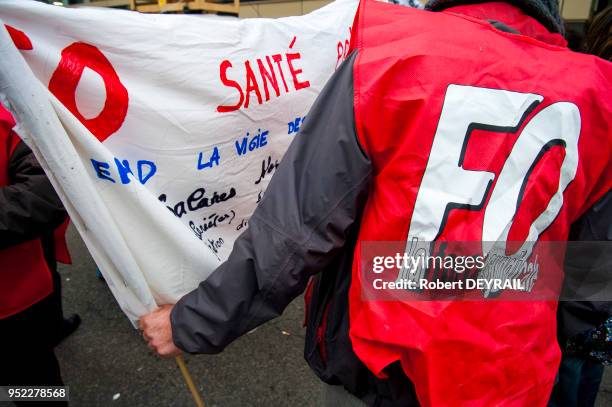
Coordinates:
197	200
211	221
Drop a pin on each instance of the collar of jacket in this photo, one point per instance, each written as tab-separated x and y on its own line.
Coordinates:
511	16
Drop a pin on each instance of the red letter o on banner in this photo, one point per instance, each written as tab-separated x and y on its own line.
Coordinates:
65	79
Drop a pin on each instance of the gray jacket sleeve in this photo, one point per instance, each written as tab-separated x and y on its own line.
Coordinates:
297	229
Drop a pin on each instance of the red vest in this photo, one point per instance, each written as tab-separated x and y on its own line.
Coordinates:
471	130
25	277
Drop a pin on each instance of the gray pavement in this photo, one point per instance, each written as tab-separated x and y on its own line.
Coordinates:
106	357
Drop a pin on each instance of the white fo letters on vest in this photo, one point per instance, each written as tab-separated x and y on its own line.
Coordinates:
446	185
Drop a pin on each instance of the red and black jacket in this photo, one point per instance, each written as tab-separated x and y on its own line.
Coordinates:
354	174
32	225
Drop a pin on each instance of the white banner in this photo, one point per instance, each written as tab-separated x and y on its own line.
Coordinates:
161	132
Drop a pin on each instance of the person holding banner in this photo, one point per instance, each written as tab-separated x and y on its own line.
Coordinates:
31	319
489	142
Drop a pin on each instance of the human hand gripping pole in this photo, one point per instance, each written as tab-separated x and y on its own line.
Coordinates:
157	331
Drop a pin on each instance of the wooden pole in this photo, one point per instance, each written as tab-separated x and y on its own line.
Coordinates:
189	381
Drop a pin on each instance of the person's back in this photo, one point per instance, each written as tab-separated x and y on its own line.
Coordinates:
475	134
481	135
